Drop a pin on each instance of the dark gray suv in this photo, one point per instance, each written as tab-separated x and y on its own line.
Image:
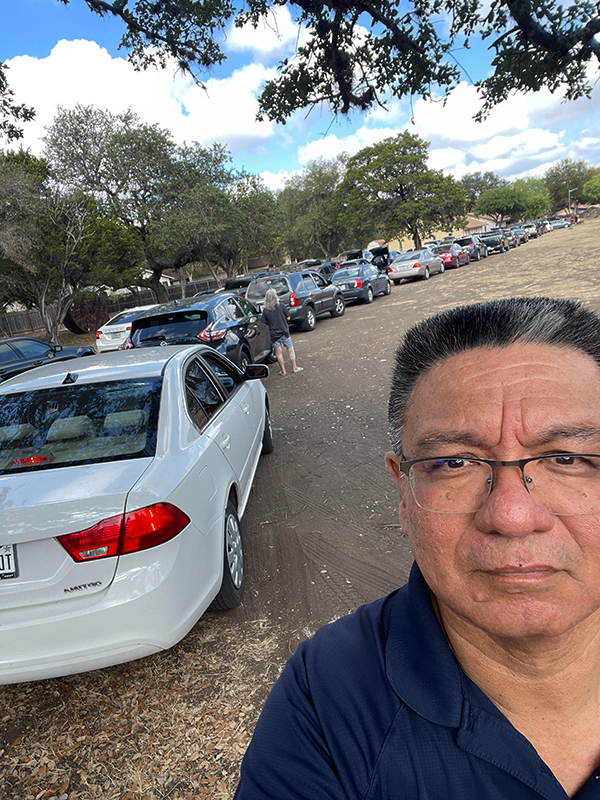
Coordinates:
305	294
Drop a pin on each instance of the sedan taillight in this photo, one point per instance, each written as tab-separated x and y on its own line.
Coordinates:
357	283
97	334
294	299
126	533
416	265
210	335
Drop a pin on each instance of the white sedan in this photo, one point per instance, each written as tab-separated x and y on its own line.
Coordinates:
122	483
114	332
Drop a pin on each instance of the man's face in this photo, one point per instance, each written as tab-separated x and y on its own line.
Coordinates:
511	568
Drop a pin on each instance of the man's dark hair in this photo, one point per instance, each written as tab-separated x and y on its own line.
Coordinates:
496	323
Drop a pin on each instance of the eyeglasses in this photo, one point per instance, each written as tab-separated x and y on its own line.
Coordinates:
568	484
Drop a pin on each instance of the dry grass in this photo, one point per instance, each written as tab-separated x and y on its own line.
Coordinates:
174	725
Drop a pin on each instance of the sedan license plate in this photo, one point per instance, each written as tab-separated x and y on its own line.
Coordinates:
8	561
114	335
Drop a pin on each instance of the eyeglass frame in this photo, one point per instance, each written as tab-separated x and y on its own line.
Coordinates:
405	466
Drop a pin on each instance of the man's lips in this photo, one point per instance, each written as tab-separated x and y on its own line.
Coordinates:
522	571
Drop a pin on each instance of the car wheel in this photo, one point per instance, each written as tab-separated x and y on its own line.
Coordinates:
478	255
442	267
426	274
339	306
232	586
369	295
267	440
310	320
271	358
245	359
396	281
388	287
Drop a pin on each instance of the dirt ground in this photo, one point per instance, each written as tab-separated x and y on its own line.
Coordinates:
321	535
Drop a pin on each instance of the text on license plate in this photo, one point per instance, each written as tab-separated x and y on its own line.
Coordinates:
8	561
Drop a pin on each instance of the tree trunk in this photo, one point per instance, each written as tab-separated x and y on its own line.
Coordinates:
157	287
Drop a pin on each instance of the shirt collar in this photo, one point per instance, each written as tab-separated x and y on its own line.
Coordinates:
421	667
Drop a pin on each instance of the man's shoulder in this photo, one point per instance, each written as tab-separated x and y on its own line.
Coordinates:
353	643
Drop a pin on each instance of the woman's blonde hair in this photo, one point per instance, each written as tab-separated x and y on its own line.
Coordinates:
271	300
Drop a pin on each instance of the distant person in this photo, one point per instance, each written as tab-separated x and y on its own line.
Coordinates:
275	316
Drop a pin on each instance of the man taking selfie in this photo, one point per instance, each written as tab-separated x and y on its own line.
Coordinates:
481	677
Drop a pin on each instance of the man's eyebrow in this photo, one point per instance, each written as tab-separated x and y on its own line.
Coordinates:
457	437
584	433
437	439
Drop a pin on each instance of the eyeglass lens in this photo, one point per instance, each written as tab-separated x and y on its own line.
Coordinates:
567	485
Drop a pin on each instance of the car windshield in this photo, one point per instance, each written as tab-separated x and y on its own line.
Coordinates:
258	290
344	274
179	327
409	256
72	424
466	240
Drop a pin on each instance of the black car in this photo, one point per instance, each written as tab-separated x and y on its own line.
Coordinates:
495	241
20	353
224	320
361	281
305	294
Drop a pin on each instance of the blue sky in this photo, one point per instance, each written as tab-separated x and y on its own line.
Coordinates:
63	55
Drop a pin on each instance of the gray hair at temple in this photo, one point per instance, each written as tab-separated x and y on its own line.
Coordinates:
271	300
496	323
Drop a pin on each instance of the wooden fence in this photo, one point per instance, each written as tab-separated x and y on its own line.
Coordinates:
19	323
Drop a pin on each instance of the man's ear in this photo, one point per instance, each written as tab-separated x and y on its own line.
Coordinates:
392	461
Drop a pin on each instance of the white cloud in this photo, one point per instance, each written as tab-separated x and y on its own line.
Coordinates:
523	136
275	33
82	72
276	180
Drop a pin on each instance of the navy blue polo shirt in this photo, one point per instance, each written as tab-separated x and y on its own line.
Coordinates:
376	707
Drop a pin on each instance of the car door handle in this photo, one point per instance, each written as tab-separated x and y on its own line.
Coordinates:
225	441
245	408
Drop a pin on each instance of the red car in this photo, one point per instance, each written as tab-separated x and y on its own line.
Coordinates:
452	254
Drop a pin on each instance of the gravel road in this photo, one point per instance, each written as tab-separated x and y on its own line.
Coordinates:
321	536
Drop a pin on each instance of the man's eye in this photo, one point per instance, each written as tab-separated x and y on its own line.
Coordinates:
447	463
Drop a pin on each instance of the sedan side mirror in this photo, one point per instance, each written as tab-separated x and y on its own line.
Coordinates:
254	371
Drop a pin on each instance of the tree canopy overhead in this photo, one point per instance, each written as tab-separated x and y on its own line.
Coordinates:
356	54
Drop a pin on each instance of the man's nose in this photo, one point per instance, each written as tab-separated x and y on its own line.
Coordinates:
510	509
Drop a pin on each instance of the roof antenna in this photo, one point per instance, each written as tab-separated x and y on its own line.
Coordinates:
71	377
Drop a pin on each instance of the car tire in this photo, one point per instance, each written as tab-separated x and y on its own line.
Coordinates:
388	287
310	320
396	281
339	306
244	360
442	268
426	274
478	257
267	441
234	577
271	358
369	295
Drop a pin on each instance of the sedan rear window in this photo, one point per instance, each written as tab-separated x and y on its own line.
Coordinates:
85	424
180	327
343	274
409	256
